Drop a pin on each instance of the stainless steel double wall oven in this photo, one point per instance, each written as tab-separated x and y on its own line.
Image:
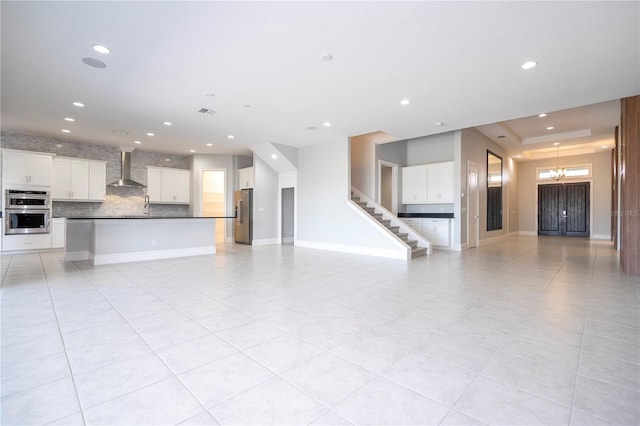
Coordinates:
27	212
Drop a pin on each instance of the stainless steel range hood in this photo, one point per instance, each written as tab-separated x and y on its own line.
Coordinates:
125	173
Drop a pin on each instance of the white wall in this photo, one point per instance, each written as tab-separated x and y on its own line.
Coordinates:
266	206
600	191
430	149
325	219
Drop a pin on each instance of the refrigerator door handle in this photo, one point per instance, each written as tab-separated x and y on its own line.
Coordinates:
240	211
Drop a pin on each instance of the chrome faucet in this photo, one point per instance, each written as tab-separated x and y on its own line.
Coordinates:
147	206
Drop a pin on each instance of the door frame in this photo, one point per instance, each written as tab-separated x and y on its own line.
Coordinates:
394	184
589	181
477	202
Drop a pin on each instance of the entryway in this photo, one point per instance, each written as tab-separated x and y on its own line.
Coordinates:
387	185
288	215
213	199
563	209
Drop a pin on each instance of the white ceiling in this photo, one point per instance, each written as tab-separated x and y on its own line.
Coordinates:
458	62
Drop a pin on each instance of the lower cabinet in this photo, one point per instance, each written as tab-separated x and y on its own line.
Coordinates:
58	232
438	231
26	242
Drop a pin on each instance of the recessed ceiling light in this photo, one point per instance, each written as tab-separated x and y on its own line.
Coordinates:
550	128
78	104
542	115
327	57
59	145
209	144
101	49
69	119
604	146
439	123
274	156
150	134
66	131
528	65
517	156
167	123
231	136
326	124
137	142
405	102
556	143
192	150
167	159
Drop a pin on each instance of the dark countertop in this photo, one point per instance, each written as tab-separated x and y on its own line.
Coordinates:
427	215
144	217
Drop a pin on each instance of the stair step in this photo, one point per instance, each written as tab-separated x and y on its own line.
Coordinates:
412	243
417	252
402	235
385	222
394	229
377	215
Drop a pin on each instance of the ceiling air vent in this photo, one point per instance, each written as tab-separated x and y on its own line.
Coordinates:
206	111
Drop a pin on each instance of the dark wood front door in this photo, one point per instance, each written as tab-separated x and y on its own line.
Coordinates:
563	209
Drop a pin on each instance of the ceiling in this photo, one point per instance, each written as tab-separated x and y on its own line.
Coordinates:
262	69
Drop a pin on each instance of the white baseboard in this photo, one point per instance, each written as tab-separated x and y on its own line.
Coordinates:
458	246
366	251
104	259
528	233
266	242
600	237
287	240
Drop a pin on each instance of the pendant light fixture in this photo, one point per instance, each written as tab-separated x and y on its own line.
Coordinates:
558	173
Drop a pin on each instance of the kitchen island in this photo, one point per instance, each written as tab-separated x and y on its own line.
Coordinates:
115	240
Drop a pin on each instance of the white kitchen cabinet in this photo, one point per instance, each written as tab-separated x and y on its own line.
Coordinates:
26	168
168	186
57	232
26	242
245	178
414	184
440	177
77	179
437	231
97	180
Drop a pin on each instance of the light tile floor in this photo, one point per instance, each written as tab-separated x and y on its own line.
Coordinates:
542	331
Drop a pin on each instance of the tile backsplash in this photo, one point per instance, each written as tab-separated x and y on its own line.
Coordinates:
119	201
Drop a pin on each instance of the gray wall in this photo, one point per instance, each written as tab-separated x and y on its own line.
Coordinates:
265	201
430	149
600	188
119	201
323	193
198	164
474	147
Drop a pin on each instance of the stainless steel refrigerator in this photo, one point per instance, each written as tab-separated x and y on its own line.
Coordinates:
243	223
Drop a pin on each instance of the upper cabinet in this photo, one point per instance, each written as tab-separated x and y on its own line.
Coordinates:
26	168
440	182
414	184
428	183
77	179
245	178
169	186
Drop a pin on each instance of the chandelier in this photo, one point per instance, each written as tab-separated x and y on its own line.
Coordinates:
558	173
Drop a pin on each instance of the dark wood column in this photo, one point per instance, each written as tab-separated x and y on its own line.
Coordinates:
629	213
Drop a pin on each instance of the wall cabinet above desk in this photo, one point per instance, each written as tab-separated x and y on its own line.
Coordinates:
428	183
26	168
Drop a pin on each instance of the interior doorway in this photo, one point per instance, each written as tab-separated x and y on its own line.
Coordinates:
213	199
563	209
473	206
288	216
388	185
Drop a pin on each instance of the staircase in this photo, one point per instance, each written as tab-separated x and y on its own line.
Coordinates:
415	250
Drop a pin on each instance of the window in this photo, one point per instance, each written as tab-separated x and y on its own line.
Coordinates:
568	172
